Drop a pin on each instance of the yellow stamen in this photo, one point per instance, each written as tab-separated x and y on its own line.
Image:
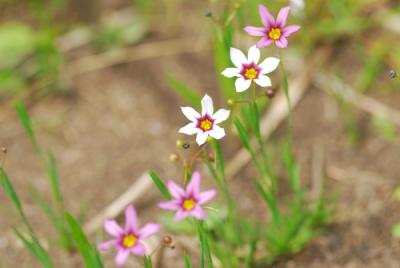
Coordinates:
250	73
206	124
129	241
275	33
189	204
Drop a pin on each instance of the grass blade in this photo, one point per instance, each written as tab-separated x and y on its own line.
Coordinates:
26	122
189	94
160	185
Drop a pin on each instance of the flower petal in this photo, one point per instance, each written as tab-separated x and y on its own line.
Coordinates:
269	65
206	196
231	72
255	31
190	113
282	16
121	256
112	227
265	41
193	187
189	129
138	249
263	81
207	105
131	222
175	189
148	230
266	17
253	54
282	42
201	137
221	115
242	84
170	205
217	132
237	57
290	30
107	244
181	214
198	213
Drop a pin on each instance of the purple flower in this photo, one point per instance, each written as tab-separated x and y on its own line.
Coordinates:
128	240
188	201
273	31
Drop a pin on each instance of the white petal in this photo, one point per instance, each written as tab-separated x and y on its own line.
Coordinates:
189	129
217	132
221	115
190	113
263	81
237	57
231	72
253	55
201	137
207	105
269	65
242	84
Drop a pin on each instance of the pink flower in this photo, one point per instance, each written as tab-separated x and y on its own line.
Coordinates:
128	240
273	31
188	201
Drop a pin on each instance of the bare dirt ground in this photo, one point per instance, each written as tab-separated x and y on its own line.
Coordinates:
118	122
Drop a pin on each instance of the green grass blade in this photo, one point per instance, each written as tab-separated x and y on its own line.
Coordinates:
270	201
160	185
11	192
54	181
26	122
188	264
189	94
218	157
147	262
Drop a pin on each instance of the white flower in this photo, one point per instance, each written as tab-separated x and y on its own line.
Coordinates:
248	69
204	124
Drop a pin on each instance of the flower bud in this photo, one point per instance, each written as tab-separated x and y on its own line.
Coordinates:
174	157
211	156
168	242
270	93
230	103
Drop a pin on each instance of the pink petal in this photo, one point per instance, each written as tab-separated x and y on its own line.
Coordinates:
265	41
131	222
175	189
112	227
170	205
282	43
193	188
282	16
121	256
148	230
255	31
107	244
138	249
290	30
181	214
198	213
266	17
206	196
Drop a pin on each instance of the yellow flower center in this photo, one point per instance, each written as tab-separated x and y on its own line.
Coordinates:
275	33
250	73
189	204
129	241
206	124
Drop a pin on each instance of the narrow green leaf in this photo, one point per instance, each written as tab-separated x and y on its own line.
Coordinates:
11	192
189	94
160	185
270	201
26	122
147	262
54	181
244	138
188	264
219	160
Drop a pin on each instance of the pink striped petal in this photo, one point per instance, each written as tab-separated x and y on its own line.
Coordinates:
121	256
266	18
264	42
290	30
255	31
282	16
131	222
138	249
175	189
193	187
198	213
206	196
107	244
112	227
282	43
148	230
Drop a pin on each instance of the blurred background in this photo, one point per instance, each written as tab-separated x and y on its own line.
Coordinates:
99	79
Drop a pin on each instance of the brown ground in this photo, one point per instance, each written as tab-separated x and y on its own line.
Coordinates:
120	121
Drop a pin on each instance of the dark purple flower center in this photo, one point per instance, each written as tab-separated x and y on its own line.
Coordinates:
250	71
205	123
